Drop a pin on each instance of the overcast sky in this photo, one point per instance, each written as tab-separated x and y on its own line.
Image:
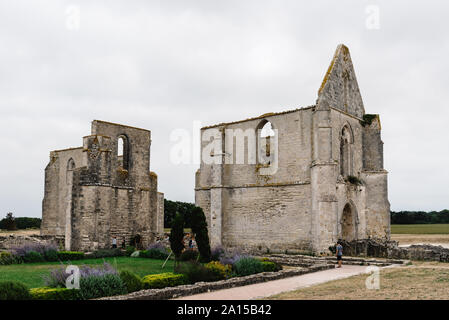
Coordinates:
161	65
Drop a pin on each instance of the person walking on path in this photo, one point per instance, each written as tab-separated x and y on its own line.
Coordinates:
114	242
339	251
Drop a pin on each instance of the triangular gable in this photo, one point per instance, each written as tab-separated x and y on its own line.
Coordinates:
339	88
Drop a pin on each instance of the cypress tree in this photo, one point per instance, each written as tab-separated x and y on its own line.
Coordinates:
177	235
199	229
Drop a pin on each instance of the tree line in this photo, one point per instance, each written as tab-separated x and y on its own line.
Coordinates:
12	223
185	209
420	217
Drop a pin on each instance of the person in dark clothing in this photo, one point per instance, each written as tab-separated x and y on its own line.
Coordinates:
339	253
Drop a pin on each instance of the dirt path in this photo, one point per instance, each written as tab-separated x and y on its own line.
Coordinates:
266	289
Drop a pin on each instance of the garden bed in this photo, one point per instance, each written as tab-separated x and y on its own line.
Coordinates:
201	287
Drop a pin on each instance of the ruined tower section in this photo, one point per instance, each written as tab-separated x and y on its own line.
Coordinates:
112	192
350	201
376	179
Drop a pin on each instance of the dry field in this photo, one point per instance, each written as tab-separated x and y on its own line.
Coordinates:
27	232
406	239
419	281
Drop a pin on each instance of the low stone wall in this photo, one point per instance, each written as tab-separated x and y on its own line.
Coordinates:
12	241
391	250
201	287
306	261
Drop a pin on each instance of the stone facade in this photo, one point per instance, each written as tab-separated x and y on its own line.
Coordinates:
317	177
103	189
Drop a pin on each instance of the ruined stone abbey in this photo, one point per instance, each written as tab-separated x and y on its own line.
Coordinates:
316	174
297	180
102	190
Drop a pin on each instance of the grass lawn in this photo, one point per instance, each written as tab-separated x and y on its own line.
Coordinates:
420	228
31	273
421	281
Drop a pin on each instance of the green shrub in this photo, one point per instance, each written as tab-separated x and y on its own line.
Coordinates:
189	255
104	253
163	280
51	255
270	266
107	285
130	250
47	293
195	272
33	256
131	280
153	253
247	265
14	290
70	255
221	271
7	258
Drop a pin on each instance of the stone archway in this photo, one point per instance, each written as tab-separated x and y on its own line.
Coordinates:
349	223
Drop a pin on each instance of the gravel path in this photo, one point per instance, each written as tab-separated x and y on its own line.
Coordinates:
266	289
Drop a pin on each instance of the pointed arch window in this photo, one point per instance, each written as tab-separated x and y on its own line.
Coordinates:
265	135
123	152
346	141
69	173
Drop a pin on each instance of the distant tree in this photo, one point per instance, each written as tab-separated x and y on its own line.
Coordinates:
177	236
199	229
27	223
9	223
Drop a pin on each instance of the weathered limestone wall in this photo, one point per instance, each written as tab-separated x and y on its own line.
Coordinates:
58	189
267	218
245	208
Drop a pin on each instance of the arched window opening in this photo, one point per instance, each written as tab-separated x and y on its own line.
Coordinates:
69	174
265	135
71	164
123	152
345	152
120	144
349	223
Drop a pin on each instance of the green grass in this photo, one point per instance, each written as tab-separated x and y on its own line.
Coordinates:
31	274
420	228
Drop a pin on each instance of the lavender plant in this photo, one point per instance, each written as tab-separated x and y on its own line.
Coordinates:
58	276
41	248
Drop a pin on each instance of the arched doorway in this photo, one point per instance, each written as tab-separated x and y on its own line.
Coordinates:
349	223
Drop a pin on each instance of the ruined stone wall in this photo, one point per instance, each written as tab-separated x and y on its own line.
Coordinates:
267	218
329	183
109	196
245	208
58	189
139	141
